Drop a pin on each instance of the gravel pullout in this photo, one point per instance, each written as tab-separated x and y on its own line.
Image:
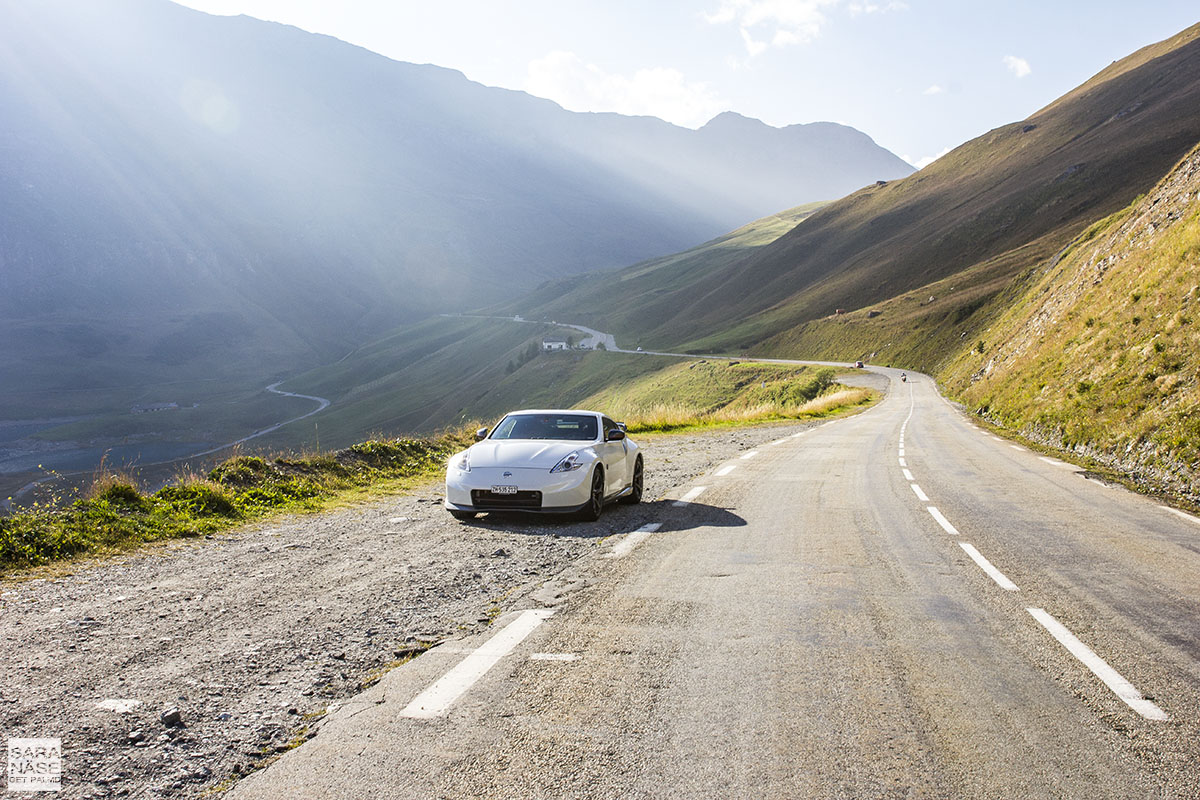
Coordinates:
251	635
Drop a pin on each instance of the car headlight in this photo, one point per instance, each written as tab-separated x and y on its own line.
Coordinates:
462	461
570	463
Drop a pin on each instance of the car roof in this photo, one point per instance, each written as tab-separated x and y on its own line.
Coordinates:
555	411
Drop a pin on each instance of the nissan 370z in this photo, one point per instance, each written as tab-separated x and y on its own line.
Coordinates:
546	461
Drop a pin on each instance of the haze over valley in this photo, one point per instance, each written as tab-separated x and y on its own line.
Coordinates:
197	206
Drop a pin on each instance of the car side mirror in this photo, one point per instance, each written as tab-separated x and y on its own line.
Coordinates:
615	435
481	434
623	426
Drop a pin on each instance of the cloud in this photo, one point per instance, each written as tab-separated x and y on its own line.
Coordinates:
753	47
775	23
857	8
921	163
779	23
935	89
660	92
1017	66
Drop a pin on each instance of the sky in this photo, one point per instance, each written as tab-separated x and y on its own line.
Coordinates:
918	76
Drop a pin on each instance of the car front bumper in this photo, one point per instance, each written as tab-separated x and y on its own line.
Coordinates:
538	490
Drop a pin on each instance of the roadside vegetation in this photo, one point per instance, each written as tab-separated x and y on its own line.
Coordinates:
708	393
114	514
1100	357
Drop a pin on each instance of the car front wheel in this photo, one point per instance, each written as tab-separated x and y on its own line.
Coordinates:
463	515
595	505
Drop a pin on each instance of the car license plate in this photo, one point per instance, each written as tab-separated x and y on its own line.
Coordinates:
504	490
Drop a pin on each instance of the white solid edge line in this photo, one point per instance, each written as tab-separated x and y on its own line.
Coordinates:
1181	514
750	454
692	494
924	498
1016	447
999	577
633	539
941	520
725	470
908	476
1055	462
437	699
1099	667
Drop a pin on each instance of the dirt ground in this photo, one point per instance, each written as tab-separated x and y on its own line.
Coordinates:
250	636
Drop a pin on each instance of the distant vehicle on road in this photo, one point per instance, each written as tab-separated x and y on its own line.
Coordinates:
640	350
546	461
859	365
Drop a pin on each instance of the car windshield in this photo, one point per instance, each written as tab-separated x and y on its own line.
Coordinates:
572	427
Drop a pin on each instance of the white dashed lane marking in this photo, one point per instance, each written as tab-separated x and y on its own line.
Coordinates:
1001	580
632	540
1111	678
437	699
750	454
1055	462
692	494
1099	667
941	520
725	470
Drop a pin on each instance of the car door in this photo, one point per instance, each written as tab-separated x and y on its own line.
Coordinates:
613	454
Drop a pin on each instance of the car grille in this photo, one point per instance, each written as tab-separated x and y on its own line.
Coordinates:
483	498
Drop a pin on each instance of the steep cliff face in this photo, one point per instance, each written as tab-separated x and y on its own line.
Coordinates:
1102	353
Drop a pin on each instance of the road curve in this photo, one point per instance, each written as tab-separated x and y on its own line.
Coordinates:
322	404
872	608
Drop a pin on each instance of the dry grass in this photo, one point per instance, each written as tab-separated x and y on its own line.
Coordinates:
676	416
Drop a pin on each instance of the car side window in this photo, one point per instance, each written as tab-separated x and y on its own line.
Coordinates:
608	426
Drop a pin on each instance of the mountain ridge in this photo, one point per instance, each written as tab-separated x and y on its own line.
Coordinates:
166	170
991	207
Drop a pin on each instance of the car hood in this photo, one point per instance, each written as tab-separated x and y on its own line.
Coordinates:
523	453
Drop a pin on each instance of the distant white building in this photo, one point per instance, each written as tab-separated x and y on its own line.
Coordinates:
150	407
554	343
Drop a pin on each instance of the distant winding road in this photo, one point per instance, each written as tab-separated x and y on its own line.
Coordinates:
322	404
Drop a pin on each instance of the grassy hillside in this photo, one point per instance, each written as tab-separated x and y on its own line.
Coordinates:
451	371
973	221
1101	352
620	302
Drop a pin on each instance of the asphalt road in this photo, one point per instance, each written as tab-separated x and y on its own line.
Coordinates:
866	609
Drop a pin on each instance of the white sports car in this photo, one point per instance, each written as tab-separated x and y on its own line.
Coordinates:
554	462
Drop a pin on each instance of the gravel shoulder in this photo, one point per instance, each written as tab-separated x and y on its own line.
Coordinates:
251	635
